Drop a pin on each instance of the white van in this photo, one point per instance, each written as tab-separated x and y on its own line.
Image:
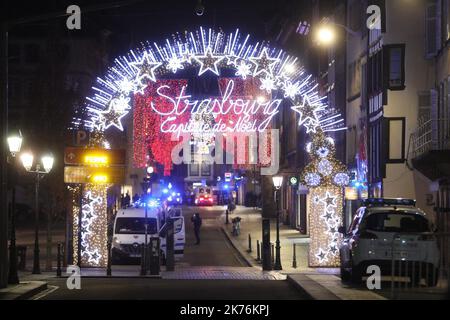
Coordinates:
129	231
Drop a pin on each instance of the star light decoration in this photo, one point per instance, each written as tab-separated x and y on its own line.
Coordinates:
209	52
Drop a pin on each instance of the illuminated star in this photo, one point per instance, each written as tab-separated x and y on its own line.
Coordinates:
232	60
333	250
111	117
264	63
327	216
311	126
321	255
145	68
268	84
329	200
243	70
307	111
94	256
209	62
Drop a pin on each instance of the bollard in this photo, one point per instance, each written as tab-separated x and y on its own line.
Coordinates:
258	252
272	253
249	243
108	266
58	265
294	259
143	255
227	221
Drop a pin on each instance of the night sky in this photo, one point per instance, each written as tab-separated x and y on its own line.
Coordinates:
137	20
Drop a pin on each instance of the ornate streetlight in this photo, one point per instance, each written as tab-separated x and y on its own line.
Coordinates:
47	162
277	183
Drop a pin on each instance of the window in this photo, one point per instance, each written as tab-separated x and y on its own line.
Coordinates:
424	107
206	169
395	222
394	56
135	226
194	169
395	132
433	28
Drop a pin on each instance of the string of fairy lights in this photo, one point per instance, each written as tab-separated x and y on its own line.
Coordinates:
210	52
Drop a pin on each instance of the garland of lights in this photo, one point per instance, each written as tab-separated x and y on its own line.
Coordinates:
275	72
209	52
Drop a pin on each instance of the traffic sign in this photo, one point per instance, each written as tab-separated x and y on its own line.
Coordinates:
114	175
293	181
94	157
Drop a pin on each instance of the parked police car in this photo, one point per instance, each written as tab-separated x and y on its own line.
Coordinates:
129	231
384	230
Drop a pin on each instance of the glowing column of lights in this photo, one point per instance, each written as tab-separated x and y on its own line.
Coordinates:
325	208
94	226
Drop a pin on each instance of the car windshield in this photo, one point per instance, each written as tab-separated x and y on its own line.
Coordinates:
395	221
135	226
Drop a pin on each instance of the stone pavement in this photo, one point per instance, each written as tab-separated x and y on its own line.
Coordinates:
320	284
22	291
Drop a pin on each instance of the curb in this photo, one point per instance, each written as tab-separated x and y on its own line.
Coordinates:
241	255
297	286
36	287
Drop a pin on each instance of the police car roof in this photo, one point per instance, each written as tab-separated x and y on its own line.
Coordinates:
152	212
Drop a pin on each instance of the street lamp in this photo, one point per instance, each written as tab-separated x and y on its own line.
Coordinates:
14	144
277	183
27	161
326	32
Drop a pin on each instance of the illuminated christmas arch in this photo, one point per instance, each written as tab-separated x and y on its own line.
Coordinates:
277	76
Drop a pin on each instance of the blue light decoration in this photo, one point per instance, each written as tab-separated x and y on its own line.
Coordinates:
165	191
207	51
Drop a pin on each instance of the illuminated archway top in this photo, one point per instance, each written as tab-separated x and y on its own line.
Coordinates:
209	52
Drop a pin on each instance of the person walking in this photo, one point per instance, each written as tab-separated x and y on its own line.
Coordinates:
197	221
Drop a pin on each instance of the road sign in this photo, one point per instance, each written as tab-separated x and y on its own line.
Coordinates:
94	157
112	175
293	181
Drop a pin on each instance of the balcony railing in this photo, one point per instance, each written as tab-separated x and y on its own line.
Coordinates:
432	135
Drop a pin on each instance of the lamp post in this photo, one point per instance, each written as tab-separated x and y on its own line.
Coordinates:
277	183
326	32
14	144
47	162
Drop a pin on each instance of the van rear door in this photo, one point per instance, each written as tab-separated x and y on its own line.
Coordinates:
180	235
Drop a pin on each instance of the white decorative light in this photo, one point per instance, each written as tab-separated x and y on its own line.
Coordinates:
121	103
126	86
145	68
323	152
175	64
313	179
243	70
342	179
268	84
264	64
208	62
325	167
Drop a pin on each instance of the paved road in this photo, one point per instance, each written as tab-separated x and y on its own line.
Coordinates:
155	289
214	248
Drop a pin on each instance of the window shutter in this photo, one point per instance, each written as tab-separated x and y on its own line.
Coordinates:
431	26
438	25
434	116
